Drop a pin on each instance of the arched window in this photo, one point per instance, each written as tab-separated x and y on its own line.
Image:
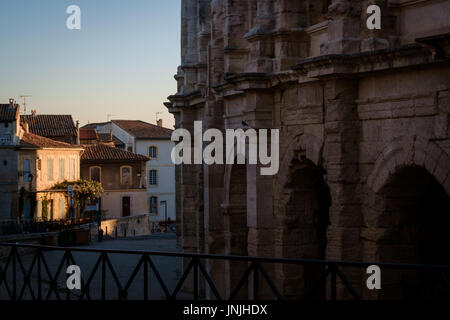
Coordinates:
126	175
95	174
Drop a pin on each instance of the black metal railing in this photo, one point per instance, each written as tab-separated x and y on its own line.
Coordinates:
16	280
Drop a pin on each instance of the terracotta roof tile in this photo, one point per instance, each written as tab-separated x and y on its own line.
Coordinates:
94	125
7	113
144	130
50	126
30	140
102	152
88	134
105	137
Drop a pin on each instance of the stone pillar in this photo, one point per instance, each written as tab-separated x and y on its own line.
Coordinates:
203	38
344	28
260	219
260	38
216	50
342	165
191	196
215	234
236	47
189	43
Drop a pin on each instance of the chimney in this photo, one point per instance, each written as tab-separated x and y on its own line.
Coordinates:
11	103
78	133
159	123
33	112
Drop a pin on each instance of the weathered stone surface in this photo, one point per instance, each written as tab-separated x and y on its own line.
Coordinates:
364	130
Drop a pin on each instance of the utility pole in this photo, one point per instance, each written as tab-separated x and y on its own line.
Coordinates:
24	97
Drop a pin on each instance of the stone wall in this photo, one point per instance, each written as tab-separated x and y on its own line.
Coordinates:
354	107
124	227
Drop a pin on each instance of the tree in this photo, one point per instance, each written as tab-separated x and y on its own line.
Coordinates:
82	190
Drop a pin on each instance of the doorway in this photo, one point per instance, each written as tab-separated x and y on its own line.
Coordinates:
126	206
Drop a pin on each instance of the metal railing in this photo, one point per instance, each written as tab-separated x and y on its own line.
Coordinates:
16	279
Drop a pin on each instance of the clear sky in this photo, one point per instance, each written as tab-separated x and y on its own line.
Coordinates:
121	62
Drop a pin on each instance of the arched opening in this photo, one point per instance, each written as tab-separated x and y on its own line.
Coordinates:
415	213
237	230
304	231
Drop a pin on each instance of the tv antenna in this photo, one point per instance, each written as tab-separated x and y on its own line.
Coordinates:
24	97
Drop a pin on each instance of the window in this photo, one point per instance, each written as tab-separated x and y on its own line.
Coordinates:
26	170
95	173
130	148
50	169
72	169
153	178
153	205
125	175
62	169
27	210
153	152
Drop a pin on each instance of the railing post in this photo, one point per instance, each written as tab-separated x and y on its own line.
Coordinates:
14	293
67	265
103	276
256	282
195	278
145	277
333	282
39	274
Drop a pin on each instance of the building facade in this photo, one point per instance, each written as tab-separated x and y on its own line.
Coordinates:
364	134
32	165
122	175
42	164
9	141
153	141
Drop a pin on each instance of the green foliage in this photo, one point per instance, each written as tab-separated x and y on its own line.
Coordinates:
45	202
82	190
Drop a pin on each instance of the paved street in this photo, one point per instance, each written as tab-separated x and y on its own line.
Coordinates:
122	264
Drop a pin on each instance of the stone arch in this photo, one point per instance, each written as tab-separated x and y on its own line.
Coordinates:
406	151
302	146
235	221
303	202
405	210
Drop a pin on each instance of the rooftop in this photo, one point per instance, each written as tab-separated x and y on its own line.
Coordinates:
106	137
143	130
94	125
30	140
53	125
88	134
7	113
102	152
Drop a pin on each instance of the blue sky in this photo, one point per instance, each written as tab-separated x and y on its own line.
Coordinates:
121	62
